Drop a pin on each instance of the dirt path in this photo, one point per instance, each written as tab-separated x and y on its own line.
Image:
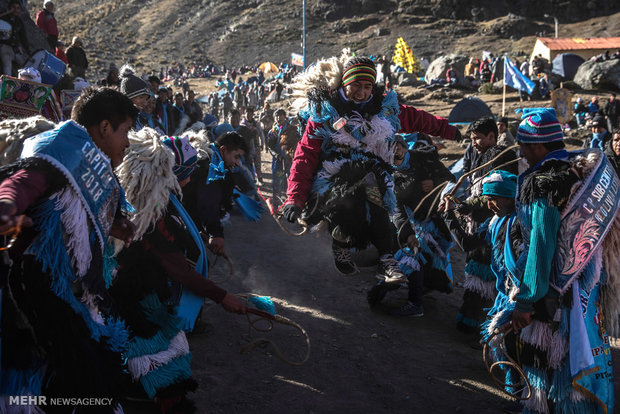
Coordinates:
362	360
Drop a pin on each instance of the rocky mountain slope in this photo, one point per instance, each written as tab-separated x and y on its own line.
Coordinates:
152	33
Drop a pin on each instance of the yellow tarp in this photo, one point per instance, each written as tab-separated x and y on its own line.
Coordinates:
404	57
268	67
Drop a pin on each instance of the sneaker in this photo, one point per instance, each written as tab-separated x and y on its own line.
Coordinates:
388	268
342	260
408	309
378	292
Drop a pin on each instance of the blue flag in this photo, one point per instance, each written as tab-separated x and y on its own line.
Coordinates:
515	79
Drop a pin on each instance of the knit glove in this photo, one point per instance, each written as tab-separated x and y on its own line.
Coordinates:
291	212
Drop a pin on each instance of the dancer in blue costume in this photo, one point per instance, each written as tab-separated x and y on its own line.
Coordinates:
565	274
479	284
155	273
59	338
341	172
209	196
425	240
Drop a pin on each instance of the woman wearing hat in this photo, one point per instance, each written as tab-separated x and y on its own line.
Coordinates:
343	161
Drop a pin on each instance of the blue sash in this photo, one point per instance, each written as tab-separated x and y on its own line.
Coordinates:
590	353
585	222
88	170
217	168
190	303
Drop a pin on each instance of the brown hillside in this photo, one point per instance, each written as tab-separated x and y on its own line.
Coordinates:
152	34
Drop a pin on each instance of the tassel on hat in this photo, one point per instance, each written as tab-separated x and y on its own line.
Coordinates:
185	156
131	85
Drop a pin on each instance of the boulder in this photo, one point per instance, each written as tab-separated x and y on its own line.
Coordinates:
439	67
407	79
599	75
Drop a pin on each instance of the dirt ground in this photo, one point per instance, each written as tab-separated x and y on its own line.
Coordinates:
361	360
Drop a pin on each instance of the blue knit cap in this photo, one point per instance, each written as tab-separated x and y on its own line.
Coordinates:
539	125
185	156
500	183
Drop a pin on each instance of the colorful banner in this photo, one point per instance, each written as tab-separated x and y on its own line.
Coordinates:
297	59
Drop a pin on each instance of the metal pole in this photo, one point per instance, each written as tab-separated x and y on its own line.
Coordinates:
303	44
555	19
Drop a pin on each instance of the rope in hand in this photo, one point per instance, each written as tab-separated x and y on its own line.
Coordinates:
16	230
230	274
499	167
436	190
505	330
277	216
205	239
486	164
262	315
454	189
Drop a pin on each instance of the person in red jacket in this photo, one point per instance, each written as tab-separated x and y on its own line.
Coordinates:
46	21
60	52
343	162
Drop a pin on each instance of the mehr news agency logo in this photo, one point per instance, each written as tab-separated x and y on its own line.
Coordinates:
42	400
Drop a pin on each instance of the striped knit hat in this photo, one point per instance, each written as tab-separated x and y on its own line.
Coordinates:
539	125
185	156
359	68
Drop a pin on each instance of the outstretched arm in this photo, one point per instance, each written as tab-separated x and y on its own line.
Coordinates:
415	120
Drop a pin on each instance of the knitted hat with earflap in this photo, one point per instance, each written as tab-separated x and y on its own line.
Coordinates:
131	85
539	125
185	156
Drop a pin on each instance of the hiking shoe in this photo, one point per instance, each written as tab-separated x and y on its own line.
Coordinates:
342	259
388	268
378	292
408	309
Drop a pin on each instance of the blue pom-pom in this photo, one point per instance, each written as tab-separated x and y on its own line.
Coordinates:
263	303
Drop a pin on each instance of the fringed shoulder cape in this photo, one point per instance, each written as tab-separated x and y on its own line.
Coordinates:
60	337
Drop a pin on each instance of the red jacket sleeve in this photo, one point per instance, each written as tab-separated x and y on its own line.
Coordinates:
304	166
415	120
40	22
24	188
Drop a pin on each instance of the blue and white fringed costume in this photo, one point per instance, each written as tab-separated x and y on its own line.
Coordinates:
432	255
59	340
479	281
355	165
158	292
566	281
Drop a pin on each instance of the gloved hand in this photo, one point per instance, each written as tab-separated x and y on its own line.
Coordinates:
291	212
457	136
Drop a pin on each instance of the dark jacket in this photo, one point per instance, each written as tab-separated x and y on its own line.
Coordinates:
18	34
194	111
472	160
206	203
77	57
612	157
424	164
